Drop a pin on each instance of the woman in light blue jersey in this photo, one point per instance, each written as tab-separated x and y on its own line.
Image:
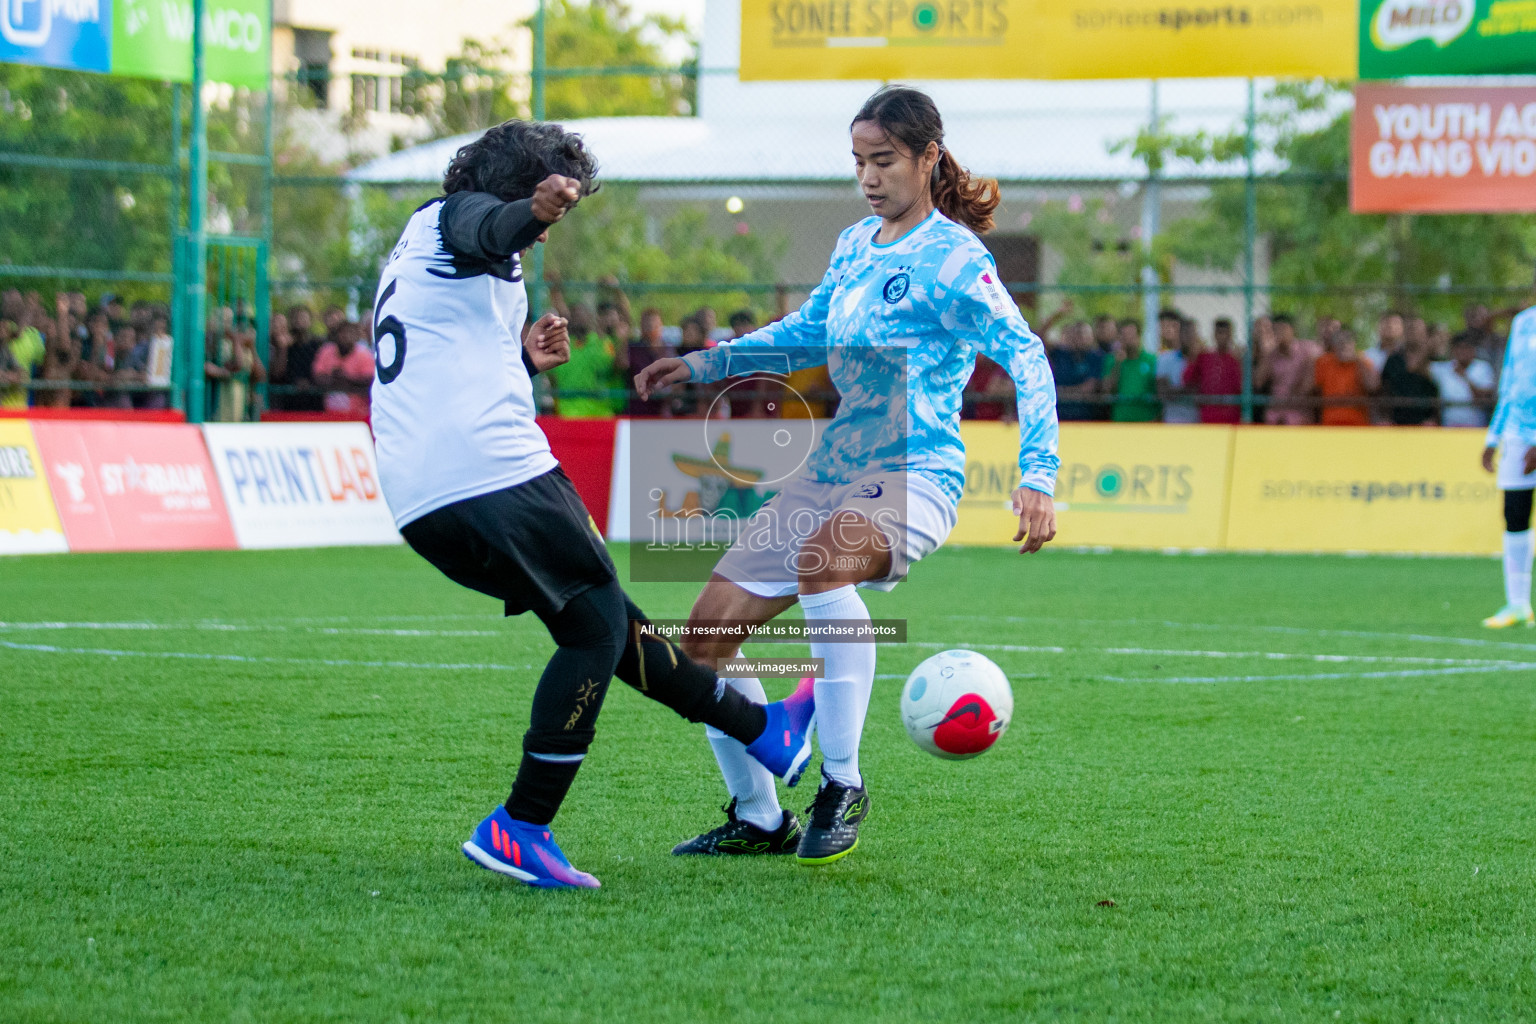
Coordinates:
911	295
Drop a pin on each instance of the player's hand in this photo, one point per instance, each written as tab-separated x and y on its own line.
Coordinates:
554	196
548	344
660	375
1488	457
1530	461
1037	519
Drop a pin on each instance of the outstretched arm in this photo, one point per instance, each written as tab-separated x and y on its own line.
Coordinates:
796	341
482	227
978	309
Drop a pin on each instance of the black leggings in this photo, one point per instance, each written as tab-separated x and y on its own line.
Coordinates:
1517	511
602	633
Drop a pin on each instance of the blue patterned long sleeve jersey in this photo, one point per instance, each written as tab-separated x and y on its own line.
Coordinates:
1515	415
899	326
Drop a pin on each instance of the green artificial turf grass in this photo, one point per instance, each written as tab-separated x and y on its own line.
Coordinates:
278	840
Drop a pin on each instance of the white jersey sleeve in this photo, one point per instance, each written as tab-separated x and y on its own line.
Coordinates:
453	409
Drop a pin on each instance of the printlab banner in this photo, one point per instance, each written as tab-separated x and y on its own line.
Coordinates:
133	486
1065	39
1399	38
1450	149
28	522
142	38
1131	486
298	485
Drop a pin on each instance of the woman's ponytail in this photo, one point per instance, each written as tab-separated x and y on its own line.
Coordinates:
962	197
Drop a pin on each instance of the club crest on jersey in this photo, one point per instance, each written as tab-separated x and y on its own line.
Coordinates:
897	287
869	491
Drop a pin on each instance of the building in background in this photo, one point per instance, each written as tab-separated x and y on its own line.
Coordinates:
351	63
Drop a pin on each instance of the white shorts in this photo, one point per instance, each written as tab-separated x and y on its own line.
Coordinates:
1512	474
909	509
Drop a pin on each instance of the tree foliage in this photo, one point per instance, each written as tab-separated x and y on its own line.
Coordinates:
610	235
606	34
1093	252
1323	258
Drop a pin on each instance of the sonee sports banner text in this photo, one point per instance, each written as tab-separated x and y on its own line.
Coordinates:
1065	39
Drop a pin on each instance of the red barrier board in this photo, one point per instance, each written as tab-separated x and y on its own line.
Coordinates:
1443	149
42	412
133	486
585	451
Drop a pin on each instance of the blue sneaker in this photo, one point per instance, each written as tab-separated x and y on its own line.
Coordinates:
784	748
525	851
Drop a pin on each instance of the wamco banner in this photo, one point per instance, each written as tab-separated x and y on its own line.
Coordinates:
141	38
1453	149
153	39
891	39
1399	38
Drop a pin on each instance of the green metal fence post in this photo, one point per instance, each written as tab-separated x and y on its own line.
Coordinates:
1151	218
196	276
1250	242
178	264
263	298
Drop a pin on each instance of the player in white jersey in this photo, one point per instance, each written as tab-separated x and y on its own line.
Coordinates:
476	491
1512	438
909	298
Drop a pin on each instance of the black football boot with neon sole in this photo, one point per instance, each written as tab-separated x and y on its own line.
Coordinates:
833	830
742	838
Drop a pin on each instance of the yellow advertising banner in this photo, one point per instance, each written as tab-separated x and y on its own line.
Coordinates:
1123	485
1395	489
1066	39
29	523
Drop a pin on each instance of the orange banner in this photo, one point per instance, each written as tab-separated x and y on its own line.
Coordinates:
1443	149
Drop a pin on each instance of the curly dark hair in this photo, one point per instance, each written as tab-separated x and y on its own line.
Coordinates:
509	160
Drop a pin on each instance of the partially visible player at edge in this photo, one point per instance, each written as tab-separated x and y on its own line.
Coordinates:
1512	435
884	483
475	490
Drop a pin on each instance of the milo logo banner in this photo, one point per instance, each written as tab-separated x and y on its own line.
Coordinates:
1399	38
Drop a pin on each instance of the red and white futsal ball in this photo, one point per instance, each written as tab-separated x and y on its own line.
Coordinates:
956	704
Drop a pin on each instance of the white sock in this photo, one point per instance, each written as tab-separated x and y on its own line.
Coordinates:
1517	568
842	694
746	779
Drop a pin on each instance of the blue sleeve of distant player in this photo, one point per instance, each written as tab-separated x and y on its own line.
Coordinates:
802	335
1501	408
1515	385
977	307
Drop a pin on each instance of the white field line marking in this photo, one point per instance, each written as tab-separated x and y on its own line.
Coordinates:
229	627
1353	634
1267	655
266	660
1512	666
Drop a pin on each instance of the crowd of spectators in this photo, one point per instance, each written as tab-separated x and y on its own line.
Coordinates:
1413	373
114	355
73	353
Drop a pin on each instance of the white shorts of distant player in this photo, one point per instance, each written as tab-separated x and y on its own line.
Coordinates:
1512	474
910	510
